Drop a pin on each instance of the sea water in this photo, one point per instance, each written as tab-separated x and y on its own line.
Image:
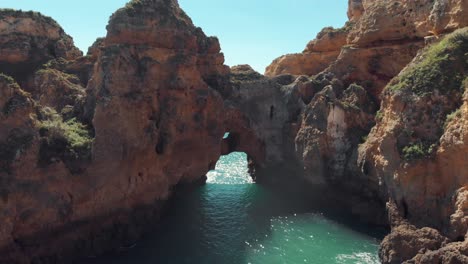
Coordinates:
233	220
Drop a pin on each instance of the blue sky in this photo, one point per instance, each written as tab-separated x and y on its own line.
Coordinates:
250	31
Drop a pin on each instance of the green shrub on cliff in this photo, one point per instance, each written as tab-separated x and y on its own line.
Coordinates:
69	141
73	132
8	80
417	150
442	66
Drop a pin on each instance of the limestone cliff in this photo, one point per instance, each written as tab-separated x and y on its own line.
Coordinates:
90	154
261	116
424	168
317	56
28	40
378	41
418	149
92	146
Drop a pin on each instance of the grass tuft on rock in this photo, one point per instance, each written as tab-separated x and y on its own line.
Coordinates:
8	80
442	67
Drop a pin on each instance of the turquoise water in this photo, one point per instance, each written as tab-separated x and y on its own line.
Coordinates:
232	220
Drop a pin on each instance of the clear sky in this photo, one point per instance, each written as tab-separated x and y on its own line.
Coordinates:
250	31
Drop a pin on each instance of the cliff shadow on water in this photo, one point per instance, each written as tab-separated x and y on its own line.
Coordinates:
230	219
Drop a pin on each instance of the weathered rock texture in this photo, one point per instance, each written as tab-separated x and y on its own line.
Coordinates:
27	40
84	170
382	21
261	116
91	146
418	149
317	56
416	155
378	41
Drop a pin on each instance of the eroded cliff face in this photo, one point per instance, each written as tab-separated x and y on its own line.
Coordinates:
423	170
29	40
378	41
93	147
316	57
156	98
418	148
261	116
39	147
409	19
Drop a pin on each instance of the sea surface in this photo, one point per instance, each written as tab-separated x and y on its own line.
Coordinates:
233	220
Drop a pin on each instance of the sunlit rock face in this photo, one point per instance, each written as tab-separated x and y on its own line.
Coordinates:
91	146
106	136
421	119
418	148
316	57
155	90
378	41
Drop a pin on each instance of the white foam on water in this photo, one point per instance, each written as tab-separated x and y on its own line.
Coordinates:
358	258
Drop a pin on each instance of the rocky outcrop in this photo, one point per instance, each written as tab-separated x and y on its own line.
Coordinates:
139	78
408	244
456	252
355	9
418	148
333	124
17	130
92	146
406	240
17	142
412	20
56	89
425	160
378	41
28	40
261	116
86	170
317	56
